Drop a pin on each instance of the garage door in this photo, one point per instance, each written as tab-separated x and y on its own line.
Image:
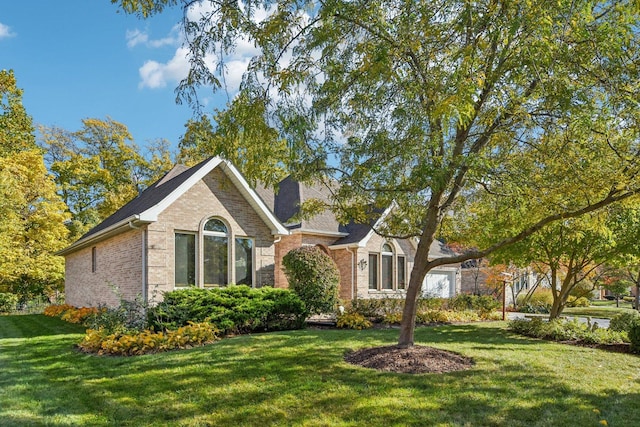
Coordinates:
439	284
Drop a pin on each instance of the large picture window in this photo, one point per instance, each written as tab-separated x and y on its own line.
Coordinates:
215	254
214	257
185	260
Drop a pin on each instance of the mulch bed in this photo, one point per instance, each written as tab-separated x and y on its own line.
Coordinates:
412	360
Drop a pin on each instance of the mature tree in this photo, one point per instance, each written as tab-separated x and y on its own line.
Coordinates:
31	213
264	162
571	252
618	288
98	168
437	104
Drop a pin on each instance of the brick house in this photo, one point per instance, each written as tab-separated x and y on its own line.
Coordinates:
206	226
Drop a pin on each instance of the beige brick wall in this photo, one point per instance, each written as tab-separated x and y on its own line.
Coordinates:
118	272
214	196
374	245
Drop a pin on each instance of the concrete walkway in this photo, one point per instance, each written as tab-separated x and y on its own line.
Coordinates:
603	323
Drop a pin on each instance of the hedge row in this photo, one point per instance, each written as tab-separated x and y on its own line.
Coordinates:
234	309
460	308
567	330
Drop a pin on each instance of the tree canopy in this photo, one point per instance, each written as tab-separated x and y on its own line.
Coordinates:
512	114
99	168
31	213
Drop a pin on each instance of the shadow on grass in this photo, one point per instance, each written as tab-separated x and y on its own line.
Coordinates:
300	377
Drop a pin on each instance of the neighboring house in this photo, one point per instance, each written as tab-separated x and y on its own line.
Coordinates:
205	226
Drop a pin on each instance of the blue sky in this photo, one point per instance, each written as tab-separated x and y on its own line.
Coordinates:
77	59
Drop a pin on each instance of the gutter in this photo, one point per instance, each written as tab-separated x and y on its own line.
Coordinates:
103	234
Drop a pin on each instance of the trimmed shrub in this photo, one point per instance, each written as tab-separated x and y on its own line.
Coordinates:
634	336
314	277
431	303
566	330
539	302
234	309
377	309
392	319
484	304
622	322
8	302
578	302
352	321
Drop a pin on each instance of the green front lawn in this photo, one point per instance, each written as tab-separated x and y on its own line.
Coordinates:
300	378
603	312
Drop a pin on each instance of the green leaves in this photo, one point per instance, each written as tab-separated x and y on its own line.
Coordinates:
98	169
31	213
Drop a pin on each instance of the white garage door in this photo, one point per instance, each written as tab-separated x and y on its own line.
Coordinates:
439	284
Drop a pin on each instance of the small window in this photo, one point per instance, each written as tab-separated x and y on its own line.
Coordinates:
402	272
94	263
373	271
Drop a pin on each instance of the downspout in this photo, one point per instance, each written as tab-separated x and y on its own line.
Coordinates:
144	259
276	260
354	254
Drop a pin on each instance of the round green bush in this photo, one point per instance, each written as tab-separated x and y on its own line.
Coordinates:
539	302
622	322
578	302
314	277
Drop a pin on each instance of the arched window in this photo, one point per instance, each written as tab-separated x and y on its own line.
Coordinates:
215	253
387	266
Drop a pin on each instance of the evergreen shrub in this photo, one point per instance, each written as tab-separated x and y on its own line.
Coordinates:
314	277
233	309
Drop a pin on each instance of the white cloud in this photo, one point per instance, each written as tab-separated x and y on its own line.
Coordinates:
137	37
155	75
5	31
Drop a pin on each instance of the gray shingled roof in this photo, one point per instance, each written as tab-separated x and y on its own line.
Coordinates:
150	197
285	204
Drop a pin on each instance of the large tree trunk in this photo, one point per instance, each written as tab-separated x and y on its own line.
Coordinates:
560	297
556	309
418	273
